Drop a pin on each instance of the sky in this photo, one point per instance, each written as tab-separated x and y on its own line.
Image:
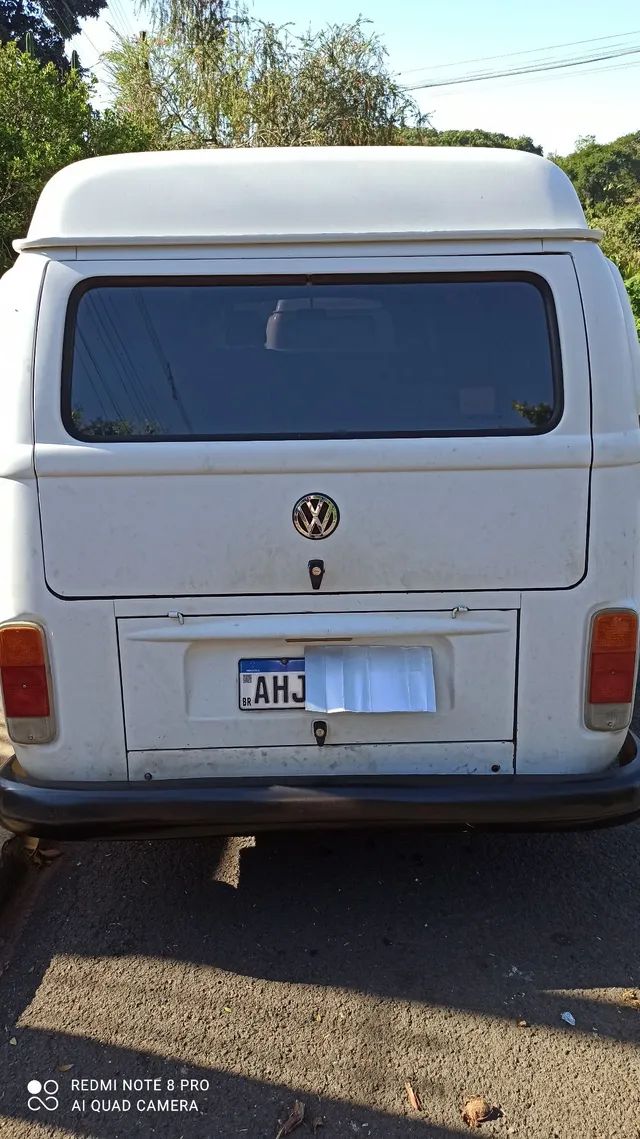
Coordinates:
430	42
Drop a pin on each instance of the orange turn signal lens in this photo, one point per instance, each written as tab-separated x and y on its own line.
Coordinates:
21	646
615	631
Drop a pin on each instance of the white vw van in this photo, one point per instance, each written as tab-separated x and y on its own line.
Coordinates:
319	495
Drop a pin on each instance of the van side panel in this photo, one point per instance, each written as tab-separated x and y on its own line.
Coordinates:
630	328
21	565
82	644
551	735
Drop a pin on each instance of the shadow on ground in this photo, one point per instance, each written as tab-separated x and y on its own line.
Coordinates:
494	925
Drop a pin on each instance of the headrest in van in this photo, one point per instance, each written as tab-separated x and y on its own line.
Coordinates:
329	324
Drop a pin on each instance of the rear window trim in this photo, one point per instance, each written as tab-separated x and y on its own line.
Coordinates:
190	280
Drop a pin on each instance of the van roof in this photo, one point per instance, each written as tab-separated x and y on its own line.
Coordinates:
306	194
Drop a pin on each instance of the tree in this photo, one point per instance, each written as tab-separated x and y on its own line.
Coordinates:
606	177
604	173
46	121
429	136
633	289
206	77
50	23
621	228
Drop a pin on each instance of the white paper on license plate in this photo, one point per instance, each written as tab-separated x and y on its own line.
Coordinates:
369	679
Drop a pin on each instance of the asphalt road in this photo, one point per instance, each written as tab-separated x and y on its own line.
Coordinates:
331	969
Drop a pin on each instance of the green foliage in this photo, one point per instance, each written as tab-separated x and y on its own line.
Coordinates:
606	177
621	228
604	174
633	289
46	122
428	136
110	428
207	78
538	414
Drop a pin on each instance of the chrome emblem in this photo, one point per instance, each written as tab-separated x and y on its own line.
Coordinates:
315	516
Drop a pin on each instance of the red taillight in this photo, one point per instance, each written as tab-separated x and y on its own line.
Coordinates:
612	678
612	668
24	690
25	683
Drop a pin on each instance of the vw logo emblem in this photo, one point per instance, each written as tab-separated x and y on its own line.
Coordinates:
315	516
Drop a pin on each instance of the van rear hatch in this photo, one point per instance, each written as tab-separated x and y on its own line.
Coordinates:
446	413
289	436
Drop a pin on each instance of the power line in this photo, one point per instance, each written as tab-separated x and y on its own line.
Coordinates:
69	33
98	374
512	54
626	66
137	380
119	359
528	69
162	357
531	69
122	22
524	81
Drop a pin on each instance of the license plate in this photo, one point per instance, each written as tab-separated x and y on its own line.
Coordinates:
271	685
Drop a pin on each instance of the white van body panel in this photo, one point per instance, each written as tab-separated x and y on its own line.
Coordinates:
154	567
90	739
613	574
304	194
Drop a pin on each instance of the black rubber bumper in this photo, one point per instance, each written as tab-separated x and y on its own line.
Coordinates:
244	806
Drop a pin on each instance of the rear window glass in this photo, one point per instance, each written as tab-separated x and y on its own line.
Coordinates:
310	358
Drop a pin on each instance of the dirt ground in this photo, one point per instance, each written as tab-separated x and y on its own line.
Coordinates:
5	751
329	969
5	746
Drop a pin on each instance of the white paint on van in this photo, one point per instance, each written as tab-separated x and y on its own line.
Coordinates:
311	194
103	541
